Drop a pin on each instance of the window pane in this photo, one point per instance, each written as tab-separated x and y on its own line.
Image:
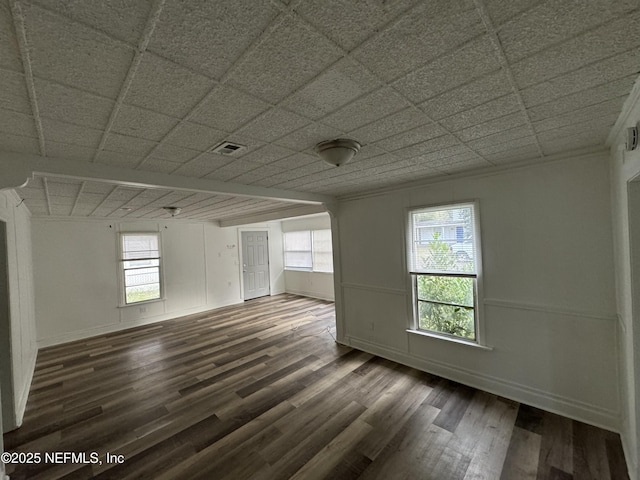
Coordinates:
322	253
142	293
297	241
443	240
140	246
297	259
141	276
151	262
456	321
456	290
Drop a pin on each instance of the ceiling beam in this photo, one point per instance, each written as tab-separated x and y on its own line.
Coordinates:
17	168
272	215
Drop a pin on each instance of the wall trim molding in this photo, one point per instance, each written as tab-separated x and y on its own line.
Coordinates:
303	293
568	407
374	288
629	456
118	326
24	395
495	302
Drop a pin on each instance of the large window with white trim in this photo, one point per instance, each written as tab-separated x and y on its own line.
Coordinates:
308	250
444	262
140	263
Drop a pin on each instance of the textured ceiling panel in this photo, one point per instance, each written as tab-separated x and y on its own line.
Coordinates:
430	89
208	36
74	54
13	93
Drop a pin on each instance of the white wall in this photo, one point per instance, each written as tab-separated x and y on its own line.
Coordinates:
21	308
309	284
76	274
625	167
549	301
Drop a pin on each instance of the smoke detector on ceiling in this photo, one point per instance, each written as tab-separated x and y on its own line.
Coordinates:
228	148
632	138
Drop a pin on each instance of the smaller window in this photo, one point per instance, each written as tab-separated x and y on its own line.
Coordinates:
444	263
308	250
140	262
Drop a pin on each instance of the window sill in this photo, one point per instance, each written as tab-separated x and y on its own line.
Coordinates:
459	341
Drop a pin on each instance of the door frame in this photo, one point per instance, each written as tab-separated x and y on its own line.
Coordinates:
241	256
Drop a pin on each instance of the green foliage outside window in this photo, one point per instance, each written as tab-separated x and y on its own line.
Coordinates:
442	299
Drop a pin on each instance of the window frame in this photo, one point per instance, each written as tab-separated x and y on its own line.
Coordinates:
312	251
122	270
412	277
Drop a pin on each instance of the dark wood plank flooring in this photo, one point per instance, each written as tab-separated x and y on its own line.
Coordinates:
262	391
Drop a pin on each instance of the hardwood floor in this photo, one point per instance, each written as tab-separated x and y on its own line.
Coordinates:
262	391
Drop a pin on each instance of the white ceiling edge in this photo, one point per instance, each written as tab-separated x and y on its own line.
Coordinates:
596	151
629	104
17	168
279	214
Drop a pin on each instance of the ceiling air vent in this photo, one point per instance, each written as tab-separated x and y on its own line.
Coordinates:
228	148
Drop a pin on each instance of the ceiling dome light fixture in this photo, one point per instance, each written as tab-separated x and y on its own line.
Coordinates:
173	211
337	152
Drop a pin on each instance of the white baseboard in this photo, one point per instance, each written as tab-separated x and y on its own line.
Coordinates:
317	295
114	327
568	407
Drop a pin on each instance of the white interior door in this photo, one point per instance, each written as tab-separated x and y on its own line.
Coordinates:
255	266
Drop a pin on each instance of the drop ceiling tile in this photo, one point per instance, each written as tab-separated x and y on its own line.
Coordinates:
487	151
573	142
268	154
600	110
74	54
598	126
340	84
18	143
411	137
429	146
233	169
117	159
584	98
208	37
136	122
273	124
553	22
456	68
38	210
203	165
513	155
13	93
17	124
155	164
9	52
599	73
295	161
309	136
124	19
367	152
71	105
72	134
129	145
472	165
609	39
460	158
32	194
432	29
256	174
503	137
366	110
482	113
66	151
355	22
504	10
62	190
468	96
492	126
194	136
407	119
97	188
166	87
227	109
273	70
174	154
